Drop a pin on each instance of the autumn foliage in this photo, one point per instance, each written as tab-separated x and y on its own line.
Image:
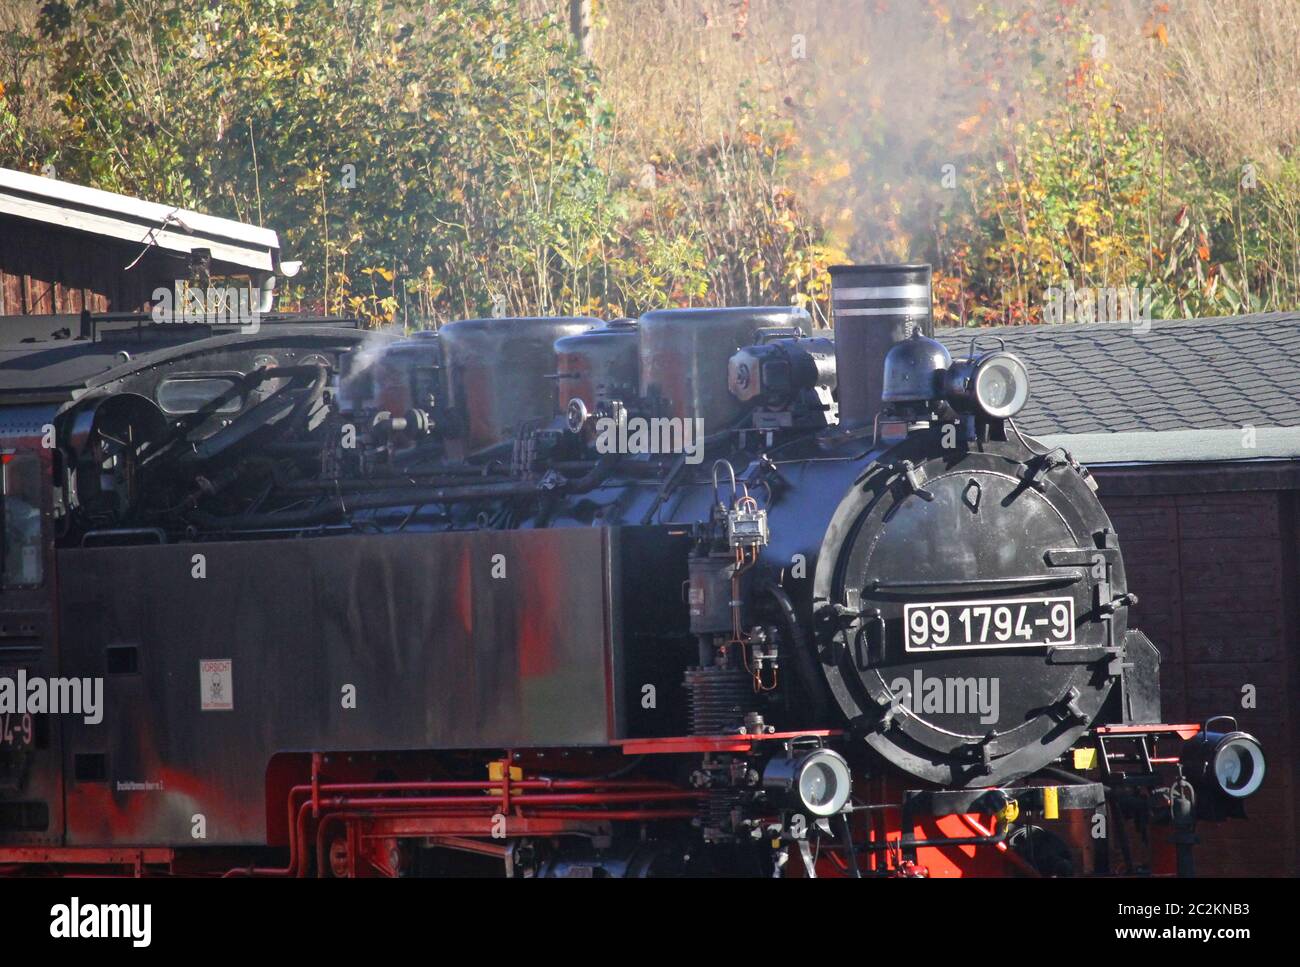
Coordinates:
430	161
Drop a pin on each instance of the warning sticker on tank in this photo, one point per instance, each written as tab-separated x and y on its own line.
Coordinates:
216	685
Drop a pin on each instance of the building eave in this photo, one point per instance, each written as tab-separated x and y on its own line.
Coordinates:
1148	447
49	201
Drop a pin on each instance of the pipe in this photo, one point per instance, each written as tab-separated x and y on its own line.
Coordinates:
799	642
1063	775
598	474
457	784
671	478
339	506
846	837
297	833
558	799
992	839
1008	853
311	794
613	815
266	295
378	483
609	816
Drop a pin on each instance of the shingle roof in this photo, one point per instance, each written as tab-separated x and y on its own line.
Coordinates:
1166	377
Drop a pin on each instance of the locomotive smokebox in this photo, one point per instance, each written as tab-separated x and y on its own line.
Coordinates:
874	307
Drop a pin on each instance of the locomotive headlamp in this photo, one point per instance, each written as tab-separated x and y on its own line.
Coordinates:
995	384
816	781
1228	763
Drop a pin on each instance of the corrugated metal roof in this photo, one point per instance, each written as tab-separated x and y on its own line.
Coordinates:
76	207
1164	391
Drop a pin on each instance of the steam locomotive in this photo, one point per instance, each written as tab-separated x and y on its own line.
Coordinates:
705	592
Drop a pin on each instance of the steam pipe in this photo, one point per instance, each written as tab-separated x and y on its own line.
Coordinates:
799	642
598	474
488	802
310	795
373	484
1007	852
632	815
339	506
266	295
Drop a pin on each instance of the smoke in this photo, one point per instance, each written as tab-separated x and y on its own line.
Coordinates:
899	99
892	99
372	348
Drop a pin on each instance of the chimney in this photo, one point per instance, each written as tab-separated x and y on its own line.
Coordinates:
873	307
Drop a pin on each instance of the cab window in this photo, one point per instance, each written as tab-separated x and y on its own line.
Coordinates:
189	394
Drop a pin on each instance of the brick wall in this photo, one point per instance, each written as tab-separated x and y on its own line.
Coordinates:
1216	577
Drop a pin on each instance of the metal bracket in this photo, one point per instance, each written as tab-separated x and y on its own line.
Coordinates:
852	625
1121	601
913	477
1068	707
865	657
1080	556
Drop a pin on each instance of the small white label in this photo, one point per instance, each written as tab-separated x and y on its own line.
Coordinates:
216	688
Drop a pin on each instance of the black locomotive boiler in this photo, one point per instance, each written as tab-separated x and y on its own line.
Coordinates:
705	591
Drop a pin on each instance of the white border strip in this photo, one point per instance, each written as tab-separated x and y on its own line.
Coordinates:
912	310
883	292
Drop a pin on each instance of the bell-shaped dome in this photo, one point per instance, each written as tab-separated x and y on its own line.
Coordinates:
914	370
